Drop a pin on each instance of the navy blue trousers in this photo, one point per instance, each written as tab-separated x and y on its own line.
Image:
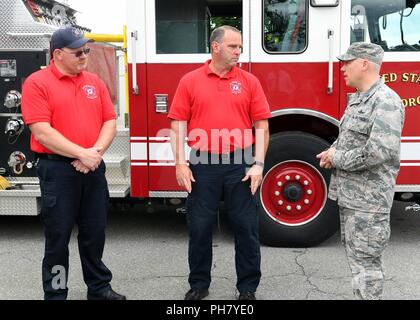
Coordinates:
68	198
213	181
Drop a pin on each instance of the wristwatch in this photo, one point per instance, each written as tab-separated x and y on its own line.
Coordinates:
259	163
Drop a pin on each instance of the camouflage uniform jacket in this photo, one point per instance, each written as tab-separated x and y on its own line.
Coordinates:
367	159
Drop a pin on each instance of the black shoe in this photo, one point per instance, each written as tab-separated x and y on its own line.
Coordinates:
247	296
108	295
196	294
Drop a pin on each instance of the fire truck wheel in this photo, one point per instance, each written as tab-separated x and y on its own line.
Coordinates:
294	209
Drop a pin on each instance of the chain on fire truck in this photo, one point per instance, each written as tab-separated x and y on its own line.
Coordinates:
290	45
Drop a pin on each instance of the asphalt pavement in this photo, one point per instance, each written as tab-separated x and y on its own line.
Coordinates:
146	249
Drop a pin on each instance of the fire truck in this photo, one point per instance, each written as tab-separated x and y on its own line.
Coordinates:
291	46
25	30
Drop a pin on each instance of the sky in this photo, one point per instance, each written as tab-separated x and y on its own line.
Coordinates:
102	16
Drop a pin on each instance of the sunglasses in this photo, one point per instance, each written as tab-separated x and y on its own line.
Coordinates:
79	53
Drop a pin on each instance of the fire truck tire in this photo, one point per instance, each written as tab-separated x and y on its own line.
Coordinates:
303	220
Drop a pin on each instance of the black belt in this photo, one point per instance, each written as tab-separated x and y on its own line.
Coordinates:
53	157
222	155
229	157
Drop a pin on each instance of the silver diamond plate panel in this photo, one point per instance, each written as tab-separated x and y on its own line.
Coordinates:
168	194
27	202
118	191
26	180
24	202
31	191
117	159
15	18
121	143
12	206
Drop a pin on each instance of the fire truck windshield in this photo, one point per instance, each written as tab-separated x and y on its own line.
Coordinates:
391	24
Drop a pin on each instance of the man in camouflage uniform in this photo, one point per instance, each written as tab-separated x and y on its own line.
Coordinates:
366	160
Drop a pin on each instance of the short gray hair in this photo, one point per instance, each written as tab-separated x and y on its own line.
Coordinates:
375	66
219	33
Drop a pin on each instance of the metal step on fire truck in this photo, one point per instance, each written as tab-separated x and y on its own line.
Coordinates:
290	45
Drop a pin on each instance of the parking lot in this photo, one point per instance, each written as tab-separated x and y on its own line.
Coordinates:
146	250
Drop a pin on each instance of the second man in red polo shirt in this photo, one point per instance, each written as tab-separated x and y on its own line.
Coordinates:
217	106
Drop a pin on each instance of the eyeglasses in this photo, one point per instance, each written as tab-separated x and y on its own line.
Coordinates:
79	53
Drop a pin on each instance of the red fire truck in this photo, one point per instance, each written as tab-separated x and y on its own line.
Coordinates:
291	46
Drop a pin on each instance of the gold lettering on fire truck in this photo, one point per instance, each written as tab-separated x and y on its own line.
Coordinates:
406	78
390	77
411	102
411	78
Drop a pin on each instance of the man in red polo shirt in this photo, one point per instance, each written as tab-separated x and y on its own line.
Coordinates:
218	105
72	121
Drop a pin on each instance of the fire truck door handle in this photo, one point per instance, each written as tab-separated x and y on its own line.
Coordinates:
134	37
330	89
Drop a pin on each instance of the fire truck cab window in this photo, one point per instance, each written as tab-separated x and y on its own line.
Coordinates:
185	26
285	24
392	24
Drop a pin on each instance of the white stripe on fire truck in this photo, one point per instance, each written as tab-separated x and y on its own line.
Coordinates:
172	164
139	164
410	139
161	139
410	164
134	139
161	151
162	164
164	139
139	151
410	151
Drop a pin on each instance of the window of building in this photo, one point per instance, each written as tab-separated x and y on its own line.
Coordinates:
185	26
285	26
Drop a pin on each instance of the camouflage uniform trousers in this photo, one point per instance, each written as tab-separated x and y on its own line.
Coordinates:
365	236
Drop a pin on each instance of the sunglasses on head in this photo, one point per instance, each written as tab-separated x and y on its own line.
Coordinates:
79	53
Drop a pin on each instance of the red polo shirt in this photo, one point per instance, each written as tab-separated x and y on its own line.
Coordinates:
77	106
220	111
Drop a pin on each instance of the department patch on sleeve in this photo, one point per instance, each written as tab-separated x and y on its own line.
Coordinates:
236	87
90	92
